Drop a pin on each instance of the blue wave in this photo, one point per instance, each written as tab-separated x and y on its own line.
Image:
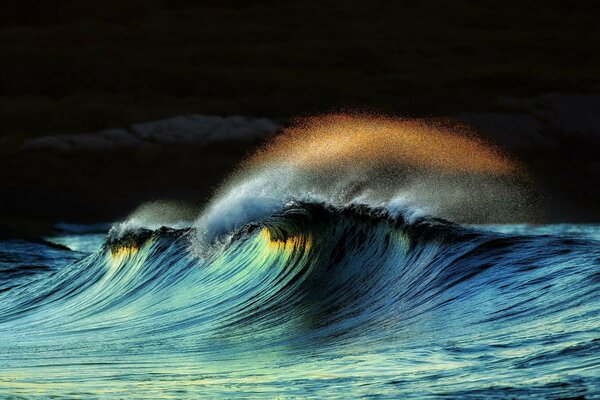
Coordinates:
313	300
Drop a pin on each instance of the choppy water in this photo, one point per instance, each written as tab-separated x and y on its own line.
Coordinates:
313	301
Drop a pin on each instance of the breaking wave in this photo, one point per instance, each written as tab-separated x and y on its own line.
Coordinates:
329	267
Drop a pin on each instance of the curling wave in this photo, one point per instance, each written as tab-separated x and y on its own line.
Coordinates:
310	272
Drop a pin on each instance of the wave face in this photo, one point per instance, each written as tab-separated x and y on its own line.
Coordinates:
313	300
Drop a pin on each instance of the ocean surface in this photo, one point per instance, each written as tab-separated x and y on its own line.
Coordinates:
312	301
341	260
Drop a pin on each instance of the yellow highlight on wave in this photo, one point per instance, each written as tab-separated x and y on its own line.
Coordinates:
122	253
288	245
369	140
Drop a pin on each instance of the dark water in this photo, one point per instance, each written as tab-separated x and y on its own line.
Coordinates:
310	302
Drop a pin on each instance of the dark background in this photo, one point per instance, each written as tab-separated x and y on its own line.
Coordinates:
82	66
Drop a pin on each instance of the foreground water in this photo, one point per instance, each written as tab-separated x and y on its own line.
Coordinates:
314	301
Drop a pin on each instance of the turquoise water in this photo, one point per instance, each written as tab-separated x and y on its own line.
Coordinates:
310	302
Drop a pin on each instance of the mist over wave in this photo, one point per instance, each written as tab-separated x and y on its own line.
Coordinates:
414	167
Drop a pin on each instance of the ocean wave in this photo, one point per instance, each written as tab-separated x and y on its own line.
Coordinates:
357	267
322	267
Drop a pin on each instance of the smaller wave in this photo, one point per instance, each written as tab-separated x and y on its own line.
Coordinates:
155	215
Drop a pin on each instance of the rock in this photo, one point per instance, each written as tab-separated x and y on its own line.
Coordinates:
513	131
